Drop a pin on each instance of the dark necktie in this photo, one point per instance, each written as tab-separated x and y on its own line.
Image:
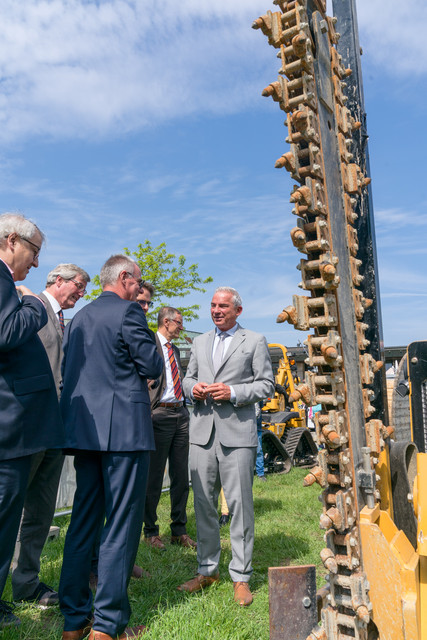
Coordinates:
177	389
219	352
61	321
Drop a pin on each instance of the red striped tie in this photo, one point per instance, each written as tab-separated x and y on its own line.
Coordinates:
177	389
61	321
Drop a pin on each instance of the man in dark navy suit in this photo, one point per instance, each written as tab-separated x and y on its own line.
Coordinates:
109	353
66	285
29	412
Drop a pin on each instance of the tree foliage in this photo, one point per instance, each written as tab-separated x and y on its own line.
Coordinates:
169	275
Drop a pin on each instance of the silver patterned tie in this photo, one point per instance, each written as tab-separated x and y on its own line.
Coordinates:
219	352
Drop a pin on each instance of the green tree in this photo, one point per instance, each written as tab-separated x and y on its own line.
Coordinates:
170	276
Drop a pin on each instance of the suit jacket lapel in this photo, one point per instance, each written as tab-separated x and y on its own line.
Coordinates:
209	348
238	338
52	315
162	383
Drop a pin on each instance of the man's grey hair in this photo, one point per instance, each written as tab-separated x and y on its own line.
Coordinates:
149	287
237	300
17	223
167	312
67	271
113	267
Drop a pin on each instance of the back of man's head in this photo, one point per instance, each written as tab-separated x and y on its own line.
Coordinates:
113	267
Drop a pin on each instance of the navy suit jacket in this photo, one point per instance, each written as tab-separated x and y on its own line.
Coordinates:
109	353
29	413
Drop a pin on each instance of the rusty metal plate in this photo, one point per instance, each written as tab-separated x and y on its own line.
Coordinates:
292	595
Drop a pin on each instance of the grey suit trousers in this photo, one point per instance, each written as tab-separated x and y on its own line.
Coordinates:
214	465
37	516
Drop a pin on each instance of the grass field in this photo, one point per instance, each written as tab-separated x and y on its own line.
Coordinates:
286	533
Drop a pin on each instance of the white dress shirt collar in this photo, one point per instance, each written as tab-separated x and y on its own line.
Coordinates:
162	338
229	332
52	301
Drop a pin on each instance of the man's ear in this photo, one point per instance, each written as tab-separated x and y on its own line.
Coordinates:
12	239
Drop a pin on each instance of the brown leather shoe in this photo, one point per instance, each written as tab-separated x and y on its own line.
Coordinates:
199	582
78	634
184	541
139	572
242	593
155	542
129	632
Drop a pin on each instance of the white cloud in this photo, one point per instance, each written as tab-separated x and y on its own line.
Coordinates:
392	35
76	68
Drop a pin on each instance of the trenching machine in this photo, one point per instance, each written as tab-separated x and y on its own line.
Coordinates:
286	440
374	487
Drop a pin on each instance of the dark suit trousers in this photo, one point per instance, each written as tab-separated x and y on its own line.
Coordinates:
171	436
39	507
110	485
13	484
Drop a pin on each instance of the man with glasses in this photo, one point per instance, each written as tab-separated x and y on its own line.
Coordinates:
66	285
144	296
29	413
170	422
146	291
109	353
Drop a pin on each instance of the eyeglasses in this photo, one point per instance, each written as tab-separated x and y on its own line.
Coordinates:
35	253
178	323
140	281
145	303
81	287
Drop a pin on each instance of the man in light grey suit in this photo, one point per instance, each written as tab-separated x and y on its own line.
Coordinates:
228	372
65	285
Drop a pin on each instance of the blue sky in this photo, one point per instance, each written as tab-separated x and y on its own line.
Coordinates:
124	120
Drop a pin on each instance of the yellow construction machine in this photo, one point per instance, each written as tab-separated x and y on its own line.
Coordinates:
374	486
286	440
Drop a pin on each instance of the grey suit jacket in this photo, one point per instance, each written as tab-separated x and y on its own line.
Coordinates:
247	368
51	336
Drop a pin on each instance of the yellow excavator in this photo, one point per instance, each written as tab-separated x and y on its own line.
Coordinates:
286	440
374	485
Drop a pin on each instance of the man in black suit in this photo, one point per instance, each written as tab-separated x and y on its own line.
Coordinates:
29	412
170	423
108	355
66	285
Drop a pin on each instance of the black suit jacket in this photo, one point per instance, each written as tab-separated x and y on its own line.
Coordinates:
108	355
29	412
157	387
